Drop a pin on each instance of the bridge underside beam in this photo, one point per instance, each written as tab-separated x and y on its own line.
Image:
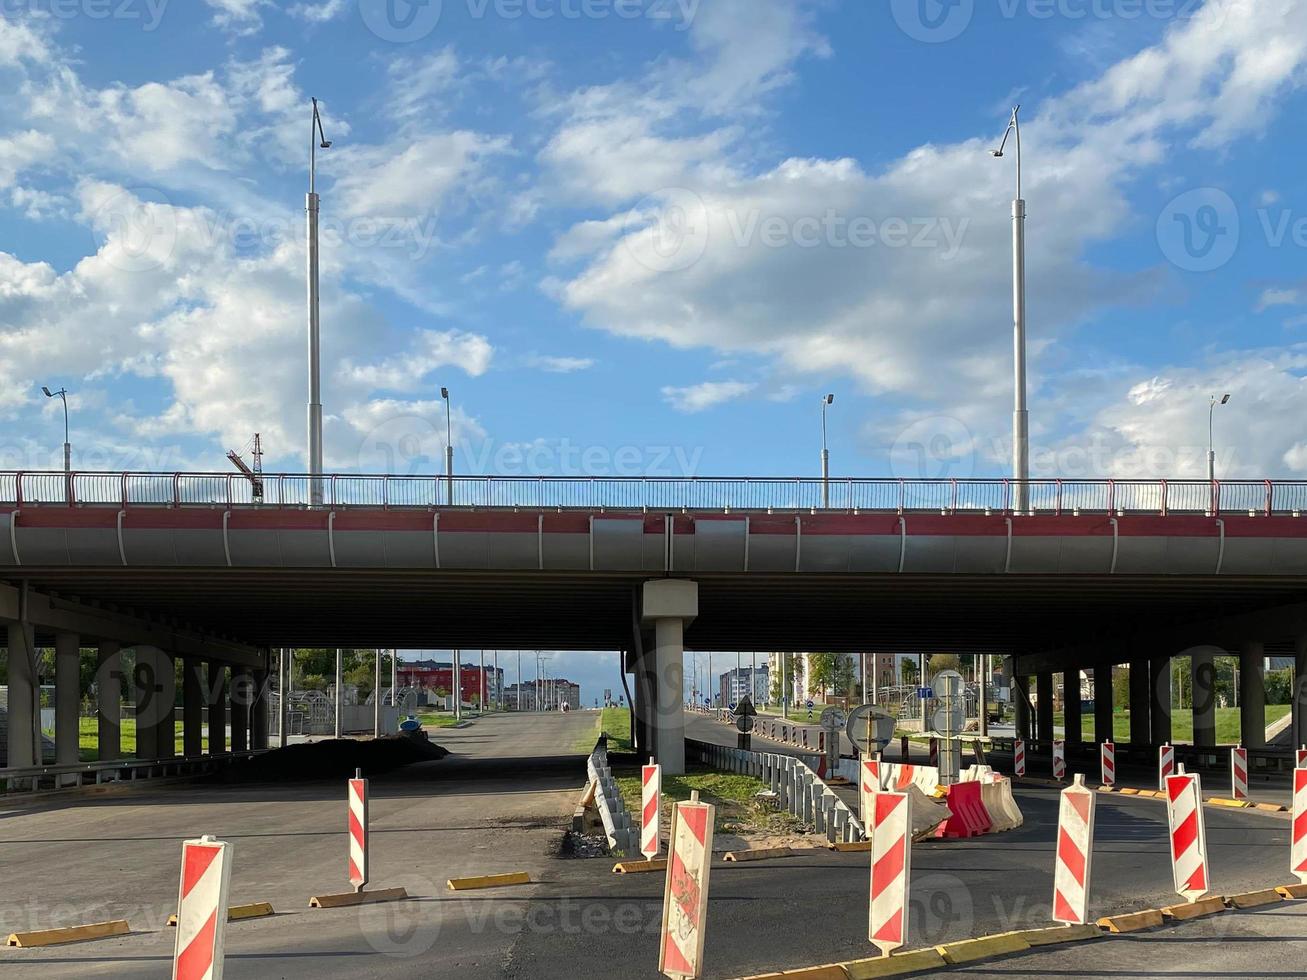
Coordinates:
50	615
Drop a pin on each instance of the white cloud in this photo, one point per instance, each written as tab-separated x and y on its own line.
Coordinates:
705	395
238	16
320	11
429	351
560	365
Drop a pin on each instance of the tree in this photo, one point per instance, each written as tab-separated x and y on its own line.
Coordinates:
943	661
830	672
1121	687
910	672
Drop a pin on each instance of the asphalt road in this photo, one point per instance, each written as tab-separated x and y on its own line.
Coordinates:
499	804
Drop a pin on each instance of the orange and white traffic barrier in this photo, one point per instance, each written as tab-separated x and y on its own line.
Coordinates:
1075	854
685	892
651	804
1109	764
1188	831
1165	765
1238	773
202	909
1300	758
1298	836
1019	758
358	831
891	870
1059	758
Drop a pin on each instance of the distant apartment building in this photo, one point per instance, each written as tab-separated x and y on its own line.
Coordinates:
553	694
735	684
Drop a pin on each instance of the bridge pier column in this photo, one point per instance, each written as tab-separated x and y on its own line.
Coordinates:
1044	707
23	735
1021	702
1252	694
1300	690
108	695
216	694
166	727
67	698
1071	707
1103	703
1204	697
669	604
192	706
259	719
145	687
1140	726
241	685
1159	708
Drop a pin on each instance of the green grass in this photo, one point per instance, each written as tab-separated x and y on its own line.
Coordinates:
616	724
439	719
88	738
732	794
1182	724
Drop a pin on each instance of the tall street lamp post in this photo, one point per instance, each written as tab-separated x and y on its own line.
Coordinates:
1020	413
62	394
317	140
1211	448
449	449
826	402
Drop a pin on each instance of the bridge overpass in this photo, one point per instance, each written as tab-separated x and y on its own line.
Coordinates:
1096	573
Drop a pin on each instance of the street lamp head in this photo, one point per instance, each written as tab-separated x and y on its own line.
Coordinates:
829	399
444	393
996	153
1225	400
48	392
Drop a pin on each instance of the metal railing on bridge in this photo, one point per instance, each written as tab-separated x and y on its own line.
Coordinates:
658	494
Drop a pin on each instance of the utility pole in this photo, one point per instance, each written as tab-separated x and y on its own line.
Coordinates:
458	685
1020	412
340	691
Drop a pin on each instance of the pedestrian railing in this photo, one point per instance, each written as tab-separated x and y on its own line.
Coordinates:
728	494
70	775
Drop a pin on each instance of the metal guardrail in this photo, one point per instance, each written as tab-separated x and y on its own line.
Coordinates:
758	494
52	777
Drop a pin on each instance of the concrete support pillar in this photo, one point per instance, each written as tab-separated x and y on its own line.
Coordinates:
1159	706
1071	707
1204	697
166	726
1103	703
24	745
67	697
1044	707
1140	725
669	605
241	685
145	695
108	693
259	720
192	707
1021	702
1252	694
216	693
1300	690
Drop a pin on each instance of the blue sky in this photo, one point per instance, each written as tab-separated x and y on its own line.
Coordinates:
622	232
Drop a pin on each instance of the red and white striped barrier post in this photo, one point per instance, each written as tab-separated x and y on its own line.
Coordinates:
1109	764
358	831
1019	758
1165	765
1075	854
685	892
1059	758
891	870
1298	836
1184	811
1300	758
651	803
202	909
1238	773
871	785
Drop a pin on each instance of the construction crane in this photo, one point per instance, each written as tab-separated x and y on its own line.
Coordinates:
252	473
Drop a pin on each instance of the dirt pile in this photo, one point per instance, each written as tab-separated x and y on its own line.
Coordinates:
332	759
